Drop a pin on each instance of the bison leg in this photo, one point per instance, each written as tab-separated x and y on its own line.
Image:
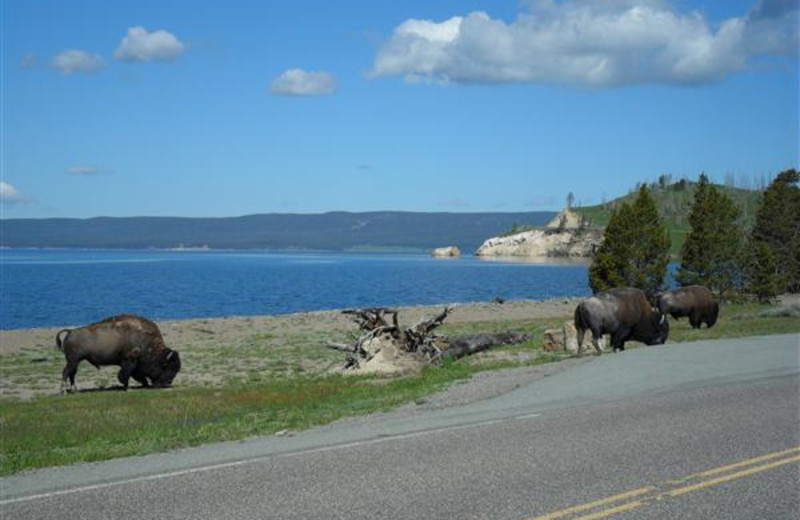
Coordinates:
695	320
618	339
69	374
712	314
125	371
580	335
596	337
138	377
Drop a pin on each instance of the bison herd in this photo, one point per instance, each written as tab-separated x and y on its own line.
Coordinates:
627	314
135	344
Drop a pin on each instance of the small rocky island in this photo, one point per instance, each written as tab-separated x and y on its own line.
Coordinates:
566	236
446	252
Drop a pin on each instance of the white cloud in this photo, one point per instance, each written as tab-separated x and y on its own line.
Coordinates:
587	43
86	169
141	45
10	195
74	60
298	82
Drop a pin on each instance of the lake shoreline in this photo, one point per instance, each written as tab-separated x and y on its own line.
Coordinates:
178	332
68	288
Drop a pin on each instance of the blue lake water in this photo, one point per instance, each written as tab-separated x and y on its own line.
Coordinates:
41	288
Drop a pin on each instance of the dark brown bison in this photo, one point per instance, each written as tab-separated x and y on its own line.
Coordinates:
132	342
694	301
624	313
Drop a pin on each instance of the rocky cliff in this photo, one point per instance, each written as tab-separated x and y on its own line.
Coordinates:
563	237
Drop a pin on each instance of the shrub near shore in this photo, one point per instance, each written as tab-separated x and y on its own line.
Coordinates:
292	390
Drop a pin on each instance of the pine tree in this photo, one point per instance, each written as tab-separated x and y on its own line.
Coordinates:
760	276
610	262
778	226
635	248
711	253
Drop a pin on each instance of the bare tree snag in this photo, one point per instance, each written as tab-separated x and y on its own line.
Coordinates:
372	318
382	336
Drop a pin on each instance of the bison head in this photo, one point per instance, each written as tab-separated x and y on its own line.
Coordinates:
167	367
664	302
660	328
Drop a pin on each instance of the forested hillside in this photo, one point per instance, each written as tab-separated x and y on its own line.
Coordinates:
674	202
328	231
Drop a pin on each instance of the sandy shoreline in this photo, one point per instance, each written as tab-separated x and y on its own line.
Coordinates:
178	333
218	351
247	349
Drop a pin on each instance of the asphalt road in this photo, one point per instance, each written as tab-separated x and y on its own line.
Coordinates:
696	430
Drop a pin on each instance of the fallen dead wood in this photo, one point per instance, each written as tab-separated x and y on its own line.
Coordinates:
384	343
472	344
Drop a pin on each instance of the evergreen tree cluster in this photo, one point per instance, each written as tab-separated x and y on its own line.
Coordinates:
711	254
773	260
635	249
717	253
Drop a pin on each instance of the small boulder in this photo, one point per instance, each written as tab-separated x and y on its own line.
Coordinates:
553	340
571	339
446	252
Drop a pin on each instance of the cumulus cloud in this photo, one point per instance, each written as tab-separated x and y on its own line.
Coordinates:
74	60
10	195
298	82
588	43
86	169
141	45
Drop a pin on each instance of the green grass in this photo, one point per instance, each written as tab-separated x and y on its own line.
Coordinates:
283	388
57	430
736	321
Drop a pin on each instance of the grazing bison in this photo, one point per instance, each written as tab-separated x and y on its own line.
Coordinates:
132	342
694	301
624	313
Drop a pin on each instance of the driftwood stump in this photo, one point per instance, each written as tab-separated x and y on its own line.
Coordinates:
379	329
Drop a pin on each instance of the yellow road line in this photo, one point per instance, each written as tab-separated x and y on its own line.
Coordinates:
596	503
732	476
650	494
612	511
723	469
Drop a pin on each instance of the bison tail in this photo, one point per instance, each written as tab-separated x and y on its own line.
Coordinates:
580	322
59	341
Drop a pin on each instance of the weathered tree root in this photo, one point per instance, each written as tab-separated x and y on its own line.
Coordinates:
419	339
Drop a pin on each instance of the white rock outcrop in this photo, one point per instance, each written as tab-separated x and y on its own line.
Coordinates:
554	241
543	243
567	219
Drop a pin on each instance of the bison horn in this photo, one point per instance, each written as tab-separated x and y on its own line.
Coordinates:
663	317
169	356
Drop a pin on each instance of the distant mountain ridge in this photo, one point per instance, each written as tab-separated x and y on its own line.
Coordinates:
326	231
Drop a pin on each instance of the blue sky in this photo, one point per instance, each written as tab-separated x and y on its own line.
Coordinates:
215	108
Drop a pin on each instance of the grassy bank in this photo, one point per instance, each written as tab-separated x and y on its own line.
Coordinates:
96	425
